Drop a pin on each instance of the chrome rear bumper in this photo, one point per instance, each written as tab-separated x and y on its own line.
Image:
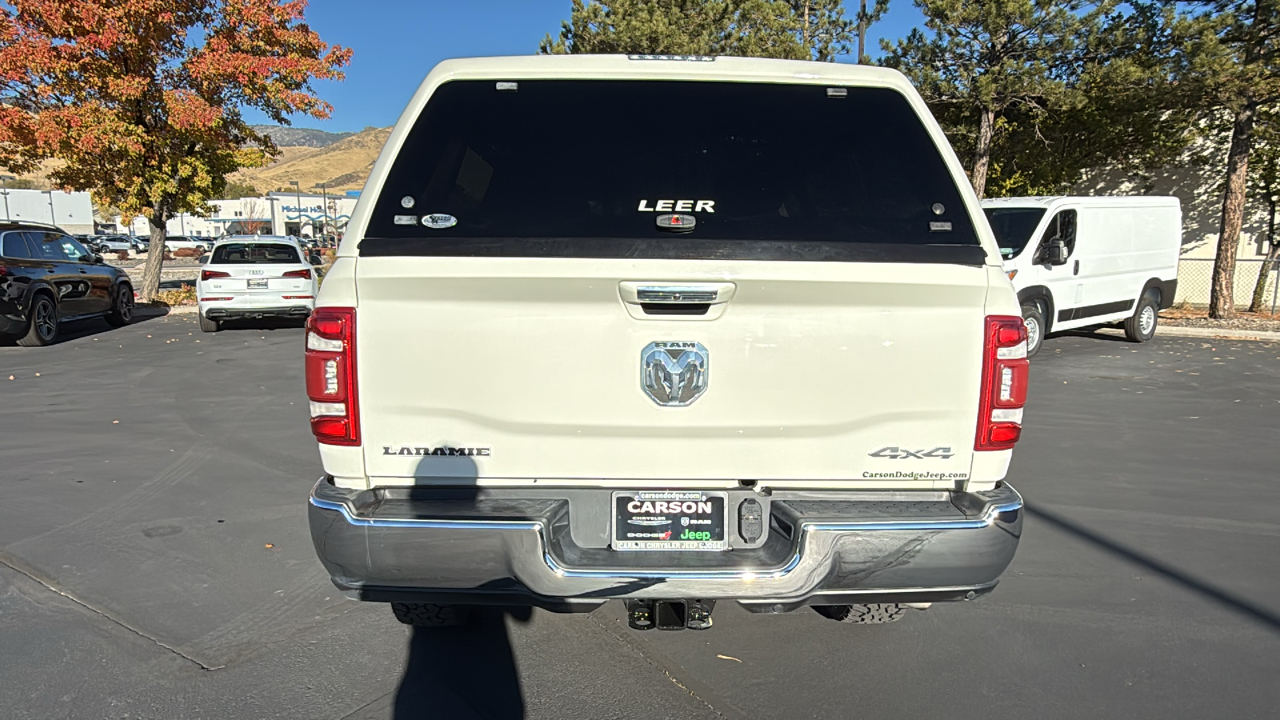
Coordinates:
515	546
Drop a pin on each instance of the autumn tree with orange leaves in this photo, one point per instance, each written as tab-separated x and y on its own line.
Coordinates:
142	99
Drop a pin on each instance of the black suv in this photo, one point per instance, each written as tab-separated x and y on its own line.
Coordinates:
47	277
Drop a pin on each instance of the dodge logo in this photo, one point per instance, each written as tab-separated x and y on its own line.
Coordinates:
674	373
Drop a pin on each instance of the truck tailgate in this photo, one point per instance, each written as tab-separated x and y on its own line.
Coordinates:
532	369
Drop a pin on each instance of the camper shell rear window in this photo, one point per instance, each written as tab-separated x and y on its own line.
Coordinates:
599	168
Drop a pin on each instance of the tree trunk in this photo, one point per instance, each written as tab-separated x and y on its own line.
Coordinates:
159	221
1260	288
1222	296
982	153
862	31
805	33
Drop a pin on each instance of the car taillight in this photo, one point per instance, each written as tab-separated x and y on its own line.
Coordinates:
304	274
331	375
1004	383
207	274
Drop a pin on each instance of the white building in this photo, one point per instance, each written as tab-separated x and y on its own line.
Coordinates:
72	212
278	213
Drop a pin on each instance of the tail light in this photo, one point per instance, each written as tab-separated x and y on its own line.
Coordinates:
331	375
1004	383
210	274
304	274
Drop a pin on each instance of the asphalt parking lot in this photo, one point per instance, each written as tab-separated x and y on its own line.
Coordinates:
155	562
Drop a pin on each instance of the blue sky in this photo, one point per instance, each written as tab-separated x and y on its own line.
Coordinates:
397	41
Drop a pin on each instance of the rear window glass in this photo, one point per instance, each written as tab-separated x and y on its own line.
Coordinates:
1013	227
13	246
255	253
581	165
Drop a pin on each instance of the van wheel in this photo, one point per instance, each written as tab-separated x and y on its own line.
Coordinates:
208	325
121	312
1142	326
43	329
1033	319
429	615
873	614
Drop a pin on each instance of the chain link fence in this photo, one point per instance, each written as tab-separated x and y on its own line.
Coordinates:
1195	280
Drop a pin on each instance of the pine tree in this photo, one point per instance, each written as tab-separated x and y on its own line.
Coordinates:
1236	59
865	19
987	63
1264	182
794	29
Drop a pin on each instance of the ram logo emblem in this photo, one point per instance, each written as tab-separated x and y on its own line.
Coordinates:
674	374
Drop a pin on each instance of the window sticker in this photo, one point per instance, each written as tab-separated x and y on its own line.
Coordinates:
439	221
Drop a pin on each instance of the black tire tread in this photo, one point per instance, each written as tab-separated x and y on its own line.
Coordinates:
1132	332
1034	307
113	316
207	325
869	614
31	338
429	615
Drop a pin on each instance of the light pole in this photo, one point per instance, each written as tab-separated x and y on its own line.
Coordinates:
53	219
324	193
4	183
297	189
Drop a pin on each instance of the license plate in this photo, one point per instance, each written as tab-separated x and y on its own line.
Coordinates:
670	520
258	284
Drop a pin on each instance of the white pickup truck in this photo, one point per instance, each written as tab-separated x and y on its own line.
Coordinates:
671	331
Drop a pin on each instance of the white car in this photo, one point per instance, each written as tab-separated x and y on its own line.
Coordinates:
255	276
179	242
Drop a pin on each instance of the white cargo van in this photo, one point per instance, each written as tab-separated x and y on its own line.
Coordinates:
1083	261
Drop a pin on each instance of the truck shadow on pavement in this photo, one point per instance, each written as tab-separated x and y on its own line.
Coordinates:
466	671
1244	607
463	672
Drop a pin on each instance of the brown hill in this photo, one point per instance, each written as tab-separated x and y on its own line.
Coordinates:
344	165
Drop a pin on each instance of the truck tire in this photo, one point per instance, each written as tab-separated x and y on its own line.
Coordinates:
1033	319
1142	326
43	327
872	614
429	615
207	325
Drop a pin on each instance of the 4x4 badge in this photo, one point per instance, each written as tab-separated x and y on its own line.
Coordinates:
897	453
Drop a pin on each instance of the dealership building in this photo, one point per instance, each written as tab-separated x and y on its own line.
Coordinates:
71	211
278	213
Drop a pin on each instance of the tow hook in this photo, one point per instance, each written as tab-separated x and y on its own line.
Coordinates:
670	614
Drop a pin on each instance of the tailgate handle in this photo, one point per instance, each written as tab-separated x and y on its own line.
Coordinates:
653	293
677	295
